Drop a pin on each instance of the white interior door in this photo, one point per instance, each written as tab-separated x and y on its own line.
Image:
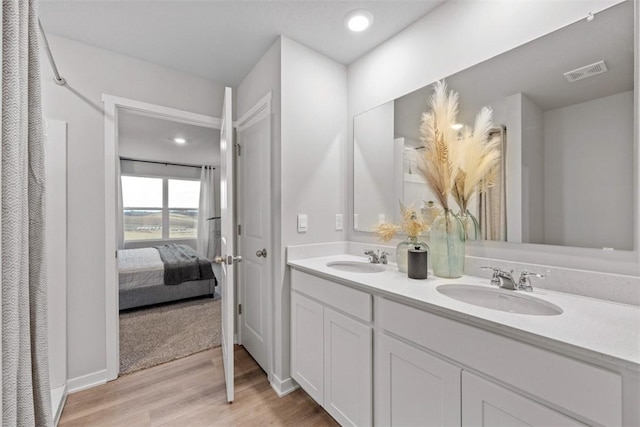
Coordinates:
227	249
254	204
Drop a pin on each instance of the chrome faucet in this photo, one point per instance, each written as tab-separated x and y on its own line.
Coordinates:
377	257
505	280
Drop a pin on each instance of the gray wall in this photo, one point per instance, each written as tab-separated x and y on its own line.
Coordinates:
91	72
533	170
262	79
307	158
314	134
589	173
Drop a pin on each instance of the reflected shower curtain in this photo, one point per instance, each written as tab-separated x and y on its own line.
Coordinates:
206	210
25	373
492	205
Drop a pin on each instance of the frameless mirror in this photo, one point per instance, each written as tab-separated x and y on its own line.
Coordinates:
563	108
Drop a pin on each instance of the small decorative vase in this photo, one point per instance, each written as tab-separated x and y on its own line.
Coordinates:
402	251
447	245
471	225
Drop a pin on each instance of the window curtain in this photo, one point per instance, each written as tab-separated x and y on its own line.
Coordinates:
120	208
25	374
206	210
492	206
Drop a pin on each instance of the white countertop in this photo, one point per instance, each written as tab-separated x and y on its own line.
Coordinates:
591	328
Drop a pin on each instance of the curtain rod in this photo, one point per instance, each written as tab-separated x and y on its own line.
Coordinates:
166	163
57	79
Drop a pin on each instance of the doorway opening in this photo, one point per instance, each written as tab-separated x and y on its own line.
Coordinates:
161	198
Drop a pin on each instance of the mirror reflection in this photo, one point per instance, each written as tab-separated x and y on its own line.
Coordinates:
563	110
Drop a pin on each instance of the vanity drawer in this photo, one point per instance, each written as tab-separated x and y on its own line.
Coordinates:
557	380
349	300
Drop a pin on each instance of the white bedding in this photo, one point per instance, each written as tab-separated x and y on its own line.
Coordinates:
139	268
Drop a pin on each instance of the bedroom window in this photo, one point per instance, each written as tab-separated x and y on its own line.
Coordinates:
160	208
184	198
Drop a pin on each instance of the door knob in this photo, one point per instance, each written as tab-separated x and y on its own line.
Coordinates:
262	253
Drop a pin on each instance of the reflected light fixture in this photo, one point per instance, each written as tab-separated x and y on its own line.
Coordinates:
456	126
179	140
358	20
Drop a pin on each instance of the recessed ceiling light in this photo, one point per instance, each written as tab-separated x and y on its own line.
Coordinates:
179	140
358	20
457	126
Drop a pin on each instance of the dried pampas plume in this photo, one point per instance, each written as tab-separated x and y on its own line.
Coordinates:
386	231
412	224
479	157
440	163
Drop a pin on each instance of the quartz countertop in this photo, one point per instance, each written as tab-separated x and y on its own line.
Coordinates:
592	329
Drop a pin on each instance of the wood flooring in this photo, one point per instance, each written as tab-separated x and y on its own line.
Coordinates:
191	392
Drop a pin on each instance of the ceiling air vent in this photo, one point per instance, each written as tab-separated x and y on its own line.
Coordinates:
586	71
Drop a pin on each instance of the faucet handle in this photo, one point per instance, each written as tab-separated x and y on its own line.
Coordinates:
495	278
374	257
383	257
524	282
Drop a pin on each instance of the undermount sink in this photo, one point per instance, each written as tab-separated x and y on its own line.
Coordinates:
499	299
355	266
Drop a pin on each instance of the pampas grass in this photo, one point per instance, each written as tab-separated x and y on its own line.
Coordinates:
412	224
440	163
456	165
479	157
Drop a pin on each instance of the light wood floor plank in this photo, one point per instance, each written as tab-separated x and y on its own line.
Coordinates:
191	392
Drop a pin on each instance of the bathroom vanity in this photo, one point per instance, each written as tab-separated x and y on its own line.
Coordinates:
376	348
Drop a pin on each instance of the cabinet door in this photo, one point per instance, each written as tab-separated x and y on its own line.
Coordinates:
307	345
487	404
413	387
347	369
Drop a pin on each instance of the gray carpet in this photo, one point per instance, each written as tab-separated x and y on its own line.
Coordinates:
149	337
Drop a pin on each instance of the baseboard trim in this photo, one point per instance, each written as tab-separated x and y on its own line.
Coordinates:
87	381
283	387
58	398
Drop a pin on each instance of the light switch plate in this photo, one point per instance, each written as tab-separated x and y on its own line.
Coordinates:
339	224
382	218
303	223
355	222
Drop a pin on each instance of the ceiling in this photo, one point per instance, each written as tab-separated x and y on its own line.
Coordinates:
148	138
536	69
222	40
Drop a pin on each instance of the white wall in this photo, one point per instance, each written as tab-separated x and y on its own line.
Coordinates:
454	37
589	173
90	72
374	160
314	134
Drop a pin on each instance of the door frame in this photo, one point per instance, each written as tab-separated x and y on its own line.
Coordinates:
260	111
112	106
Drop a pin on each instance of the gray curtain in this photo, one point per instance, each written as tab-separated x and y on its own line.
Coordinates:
25	375
492	204
119	207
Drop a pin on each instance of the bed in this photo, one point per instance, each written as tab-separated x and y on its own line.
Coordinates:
143	276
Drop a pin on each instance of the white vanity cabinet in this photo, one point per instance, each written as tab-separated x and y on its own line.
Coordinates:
542	388
486	404
331	346
413	387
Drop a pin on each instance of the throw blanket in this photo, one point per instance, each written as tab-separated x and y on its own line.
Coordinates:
181	264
